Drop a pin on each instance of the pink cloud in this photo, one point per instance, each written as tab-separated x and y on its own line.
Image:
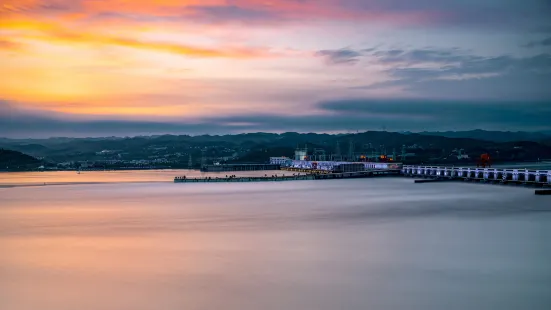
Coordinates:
218	11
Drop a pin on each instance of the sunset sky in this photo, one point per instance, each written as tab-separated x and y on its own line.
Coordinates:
130	67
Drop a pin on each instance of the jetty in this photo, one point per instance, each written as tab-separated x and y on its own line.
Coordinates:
272	178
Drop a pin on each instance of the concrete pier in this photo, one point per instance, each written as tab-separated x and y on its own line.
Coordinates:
274	178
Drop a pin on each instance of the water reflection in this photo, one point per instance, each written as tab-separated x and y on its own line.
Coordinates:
58	177
345	244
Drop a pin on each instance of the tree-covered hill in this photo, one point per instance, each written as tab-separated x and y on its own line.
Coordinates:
13	160
258	147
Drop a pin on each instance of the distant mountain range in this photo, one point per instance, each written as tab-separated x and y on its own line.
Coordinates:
495	136
258	147
478	134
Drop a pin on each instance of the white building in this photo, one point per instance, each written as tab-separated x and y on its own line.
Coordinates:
278	160
301	154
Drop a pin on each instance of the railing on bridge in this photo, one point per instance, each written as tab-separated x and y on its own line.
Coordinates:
542	177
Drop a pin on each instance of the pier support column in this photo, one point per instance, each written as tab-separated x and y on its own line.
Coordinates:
515	175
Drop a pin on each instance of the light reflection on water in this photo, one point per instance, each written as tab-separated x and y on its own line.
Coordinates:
57	177
345	244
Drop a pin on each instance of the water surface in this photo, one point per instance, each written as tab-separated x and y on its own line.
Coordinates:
118	176
341	244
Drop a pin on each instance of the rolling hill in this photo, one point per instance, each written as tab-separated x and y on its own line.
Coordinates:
14	161
495	136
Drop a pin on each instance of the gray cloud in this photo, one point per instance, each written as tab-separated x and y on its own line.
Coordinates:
470	114
230	13
540	43
454	73
478	66
425	55
338	116
497	14
341	56
543	29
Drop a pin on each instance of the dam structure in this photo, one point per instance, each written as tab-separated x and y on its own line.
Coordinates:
540	178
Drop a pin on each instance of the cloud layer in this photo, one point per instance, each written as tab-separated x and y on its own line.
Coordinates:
453	72
340	56
343	115
144	66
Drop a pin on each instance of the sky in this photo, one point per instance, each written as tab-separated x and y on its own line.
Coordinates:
135	67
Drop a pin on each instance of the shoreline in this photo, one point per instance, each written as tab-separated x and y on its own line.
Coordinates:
499	165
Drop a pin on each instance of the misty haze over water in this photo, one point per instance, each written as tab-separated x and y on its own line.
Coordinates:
345	244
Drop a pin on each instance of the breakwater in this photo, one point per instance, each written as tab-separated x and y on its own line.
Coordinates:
274	178
315	171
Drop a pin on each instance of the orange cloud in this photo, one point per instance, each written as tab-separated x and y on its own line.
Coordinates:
60	49
13	6
9	45
51	32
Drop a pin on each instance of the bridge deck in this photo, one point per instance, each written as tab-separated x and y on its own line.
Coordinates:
489	175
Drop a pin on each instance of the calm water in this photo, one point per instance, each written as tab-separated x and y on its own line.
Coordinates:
135	176
343	244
